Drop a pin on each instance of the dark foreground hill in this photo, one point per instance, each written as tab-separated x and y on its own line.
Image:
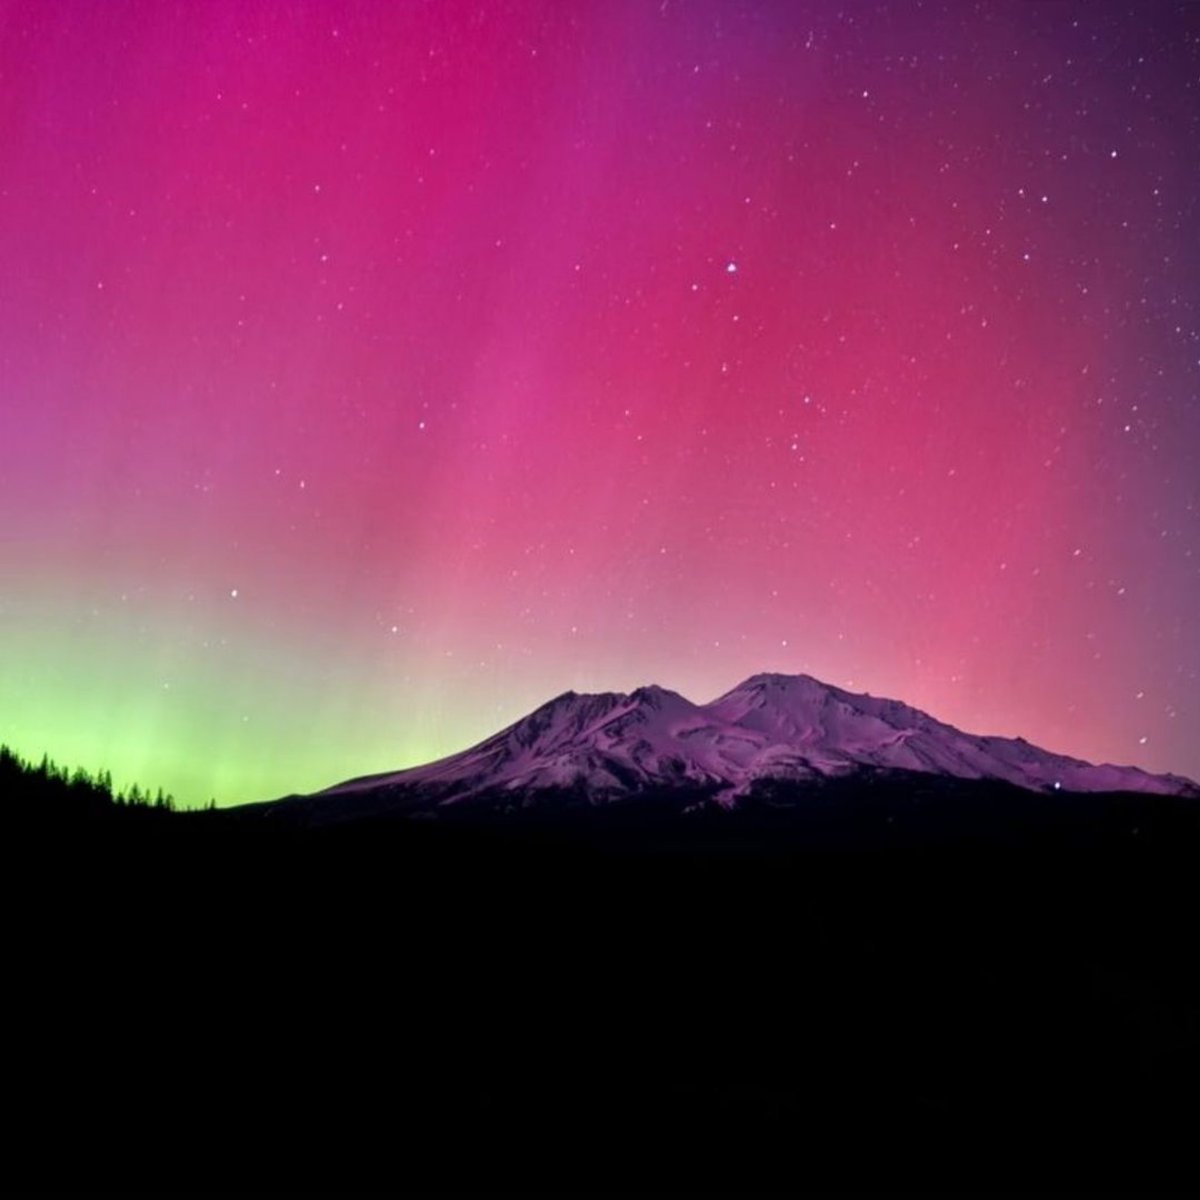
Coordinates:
913	982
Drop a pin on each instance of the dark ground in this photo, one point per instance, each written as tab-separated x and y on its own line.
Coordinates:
826	999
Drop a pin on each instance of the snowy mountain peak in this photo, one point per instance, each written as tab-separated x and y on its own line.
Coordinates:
655	696
780	680
769	727
769	683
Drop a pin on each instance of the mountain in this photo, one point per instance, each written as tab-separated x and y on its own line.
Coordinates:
770	730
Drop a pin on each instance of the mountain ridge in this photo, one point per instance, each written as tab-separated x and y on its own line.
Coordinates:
771	727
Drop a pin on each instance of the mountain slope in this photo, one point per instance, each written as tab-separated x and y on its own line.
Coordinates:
768	728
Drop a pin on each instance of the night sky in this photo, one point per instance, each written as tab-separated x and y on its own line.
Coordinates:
370	373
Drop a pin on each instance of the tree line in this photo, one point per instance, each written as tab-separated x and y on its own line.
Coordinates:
49	778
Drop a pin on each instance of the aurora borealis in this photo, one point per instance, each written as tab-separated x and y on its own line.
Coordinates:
370	373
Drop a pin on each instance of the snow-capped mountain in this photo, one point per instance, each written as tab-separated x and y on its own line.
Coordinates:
771	727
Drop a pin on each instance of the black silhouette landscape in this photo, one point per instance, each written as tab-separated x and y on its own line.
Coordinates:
862	976
371	371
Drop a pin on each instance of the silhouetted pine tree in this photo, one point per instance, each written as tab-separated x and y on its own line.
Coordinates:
51	793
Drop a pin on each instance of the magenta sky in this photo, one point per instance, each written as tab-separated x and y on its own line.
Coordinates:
371	372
